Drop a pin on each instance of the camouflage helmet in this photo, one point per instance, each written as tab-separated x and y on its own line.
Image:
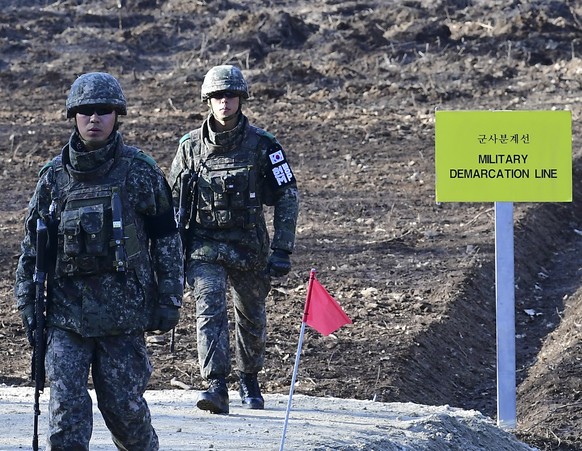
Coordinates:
96	88
224	78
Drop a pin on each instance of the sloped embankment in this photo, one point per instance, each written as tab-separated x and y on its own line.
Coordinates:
547	327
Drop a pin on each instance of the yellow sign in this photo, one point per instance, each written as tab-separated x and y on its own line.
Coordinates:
503	156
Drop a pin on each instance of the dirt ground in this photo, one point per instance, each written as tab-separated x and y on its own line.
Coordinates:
350	89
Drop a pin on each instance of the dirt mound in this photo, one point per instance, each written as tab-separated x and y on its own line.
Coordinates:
350	90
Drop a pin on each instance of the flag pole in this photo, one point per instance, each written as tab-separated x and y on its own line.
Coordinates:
308	298
292	385
295	368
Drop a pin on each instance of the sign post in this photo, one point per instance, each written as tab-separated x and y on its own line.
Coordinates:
505	308
504	157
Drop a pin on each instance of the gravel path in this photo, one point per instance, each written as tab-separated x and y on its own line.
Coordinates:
314	424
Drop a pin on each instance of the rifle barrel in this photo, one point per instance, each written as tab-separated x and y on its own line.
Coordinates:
38	370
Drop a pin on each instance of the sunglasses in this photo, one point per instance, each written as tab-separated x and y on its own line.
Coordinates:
224	95
90	110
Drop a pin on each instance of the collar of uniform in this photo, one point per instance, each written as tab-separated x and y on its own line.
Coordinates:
83	164
82	159
224	141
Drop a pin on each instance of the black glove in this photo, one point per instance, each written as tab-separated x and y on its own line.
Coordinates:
279	263
167	317
29	322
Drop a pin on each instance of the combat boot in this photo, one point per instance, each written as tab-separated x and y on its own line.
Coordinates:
250	393
215	399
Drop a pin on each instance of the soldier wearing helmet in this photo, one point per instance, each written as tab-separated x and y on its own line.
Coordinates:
228	171
115	271
97	88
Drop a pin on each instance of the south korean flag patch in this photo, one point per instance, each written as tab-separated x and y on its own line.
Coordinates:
277	157
282	174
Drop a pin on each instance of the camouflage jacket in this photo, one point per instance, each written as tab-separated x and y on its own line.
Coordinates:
250	170
88	295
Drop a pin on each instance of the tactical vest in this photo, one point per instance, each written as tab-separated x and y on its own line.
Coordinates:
227	195
85	229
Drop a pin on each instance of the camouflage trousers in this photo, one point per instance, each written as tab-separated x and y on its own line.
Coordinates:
249	289
120	369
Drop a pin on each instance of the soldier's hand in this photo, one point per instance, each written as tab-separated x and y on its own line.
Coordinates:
279	263
167	317
29	322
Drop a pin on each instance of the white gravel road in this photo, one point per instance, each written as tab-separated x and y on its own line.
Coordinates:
314	424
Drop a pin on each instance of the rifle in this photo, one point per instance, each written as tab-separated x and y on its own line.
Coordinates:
38	370
187	179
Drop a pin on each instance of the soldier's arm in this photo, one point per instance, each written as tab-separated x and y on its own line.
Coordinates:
285	219
154	202
179	165
24	289
282	192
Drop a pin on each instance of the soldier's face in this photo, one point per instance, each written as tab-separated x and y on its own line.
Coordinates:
95	124
224	106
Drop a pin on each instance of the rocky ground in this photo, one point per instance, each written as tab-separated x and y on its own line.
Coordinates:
350	89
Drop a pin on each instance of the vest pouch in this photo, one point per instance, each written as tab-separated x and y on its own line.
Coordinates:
92	221
87	264
223	191
72	240
224	218
222	186
217	185
220	201
238	197
205	212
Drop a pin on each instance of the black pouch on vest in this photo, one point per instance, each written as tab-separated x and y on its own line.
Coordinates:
92	221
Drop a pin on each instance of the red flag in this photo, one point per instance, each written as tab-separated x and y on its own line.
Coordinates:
322	312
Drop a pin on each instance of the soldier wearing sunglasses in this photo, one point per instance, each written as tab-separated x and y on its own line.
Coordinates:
116	272
234	170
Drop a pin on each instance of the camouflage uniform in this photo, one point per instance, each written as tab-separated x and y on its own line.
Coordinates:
236	172
99	307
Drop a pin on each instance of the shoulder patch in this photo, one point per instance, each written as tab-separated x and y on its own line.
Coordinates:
266	134
147	158
184	138
280	174
276	154
45	168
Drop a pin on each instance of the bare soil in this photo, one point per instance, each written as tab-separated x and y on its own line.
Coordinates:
350	89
